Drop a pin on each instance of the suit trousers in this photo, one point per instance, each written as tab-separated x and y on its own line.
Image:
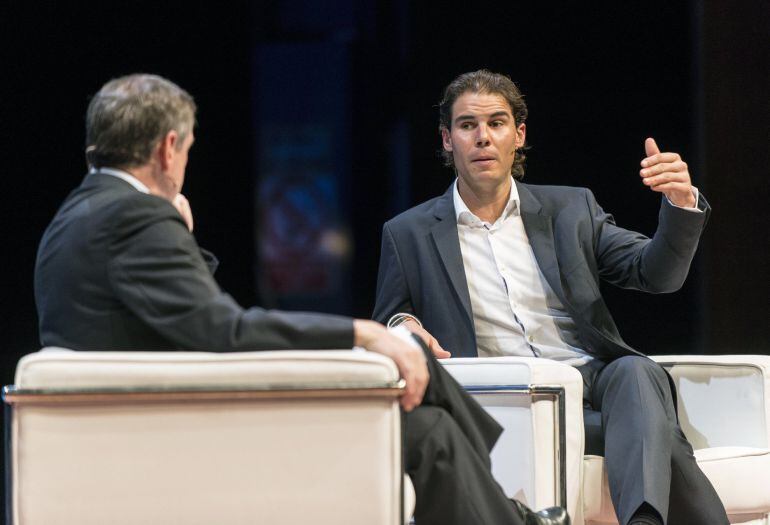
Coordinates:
648	458
447	443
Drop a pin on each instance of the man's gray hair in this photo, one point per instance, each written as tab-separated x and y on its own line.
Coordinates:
129	116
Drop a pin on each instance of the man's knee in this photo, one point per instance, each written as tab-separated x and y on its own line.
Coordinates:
428	422
635	378
639	367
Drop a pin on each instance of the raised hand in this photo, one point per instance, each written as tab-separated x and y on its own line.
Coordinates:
667	173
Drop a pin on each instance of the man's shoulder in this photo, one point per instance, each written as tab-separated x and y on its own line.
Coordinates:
422	215
142	206
554	197
113	207
553	191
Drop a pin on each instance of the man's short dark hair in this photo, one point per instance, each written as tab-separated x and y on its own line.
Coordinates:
129	116
484	81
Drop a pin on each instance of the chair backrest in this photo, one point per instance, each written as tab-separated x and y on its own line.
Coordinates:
722	401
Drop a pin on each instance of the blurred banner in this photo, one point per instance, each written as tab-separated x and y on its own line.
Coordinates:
302	131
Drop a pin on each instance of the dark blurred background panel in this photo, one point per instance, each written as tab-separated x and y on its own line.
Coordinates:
303	244
735	127
325	113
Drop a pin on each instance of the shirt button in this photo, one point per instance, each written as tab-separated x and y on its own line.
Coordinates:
531	339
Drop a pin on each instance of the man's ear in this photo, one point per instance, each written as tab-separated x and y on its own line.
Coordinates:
521	135
167	149
446	139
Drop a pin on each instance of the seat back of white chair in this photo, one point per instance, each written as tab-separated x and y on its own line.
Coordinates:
188	438
722	399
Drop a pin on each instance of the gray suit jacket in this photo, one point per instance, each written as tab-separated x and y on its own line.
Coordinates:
118	269
575	243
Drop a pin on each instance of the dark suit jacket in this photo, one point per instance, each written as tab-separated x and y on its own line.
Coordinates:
118	269
575	243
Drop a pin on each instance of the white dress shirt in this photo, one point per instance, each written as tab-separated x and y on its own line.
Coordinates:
133	181
515	311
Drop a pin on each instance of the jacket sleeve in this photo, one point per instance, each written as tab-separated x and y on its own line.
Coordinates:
158	271
393	295
659	264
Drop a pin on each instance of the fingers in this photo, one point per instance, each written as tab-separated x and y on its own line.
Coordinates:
437	349
414	370
659	158
650	147
662	168
676	165
180	201
440	353
406	354
430	341
675	187
182	205
665	172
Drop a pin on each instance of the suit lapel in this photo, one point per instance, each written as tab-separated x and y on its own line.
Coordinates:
444	234
539	227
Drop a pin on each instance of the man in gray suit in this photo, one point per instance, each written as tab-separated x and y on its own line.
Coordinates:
498	267
118	268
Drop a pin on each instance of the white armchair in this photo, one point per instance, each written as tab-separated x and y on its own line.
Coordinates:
187	438
538	458
724	410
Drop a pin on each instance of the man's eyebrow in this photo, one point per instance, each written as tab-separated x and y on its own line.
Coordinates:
496	114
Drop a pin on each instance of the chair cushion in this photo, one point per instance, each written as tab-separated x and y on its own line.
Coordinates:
740	475
597	505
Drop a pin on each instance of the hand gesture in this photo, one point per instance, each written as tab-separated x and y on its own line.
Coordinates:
183	207
431	341
667	173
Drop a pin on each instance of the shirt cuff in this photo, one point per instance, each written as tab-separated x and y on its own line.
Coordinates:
694	209
400	318
405	335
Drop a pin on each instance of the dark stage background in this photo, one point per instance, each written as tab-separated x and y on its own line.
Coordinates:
367	77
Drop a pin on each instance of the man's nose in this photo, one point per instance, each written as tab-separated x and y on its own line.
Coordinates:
482	137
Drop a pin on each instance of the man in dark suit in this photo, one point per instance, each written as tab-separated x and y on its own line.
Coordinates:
119	269
497	267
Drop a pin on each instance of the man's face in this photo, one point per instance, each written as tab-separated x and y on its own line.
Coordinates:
174	161
179	165
483	139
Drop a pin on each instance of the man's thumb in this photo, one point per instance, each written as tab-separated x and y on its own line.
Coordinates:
650	148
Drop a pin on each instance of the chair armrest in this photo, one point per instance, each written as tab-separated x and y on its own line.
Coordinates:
538	458
722	400
195	437
62	369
